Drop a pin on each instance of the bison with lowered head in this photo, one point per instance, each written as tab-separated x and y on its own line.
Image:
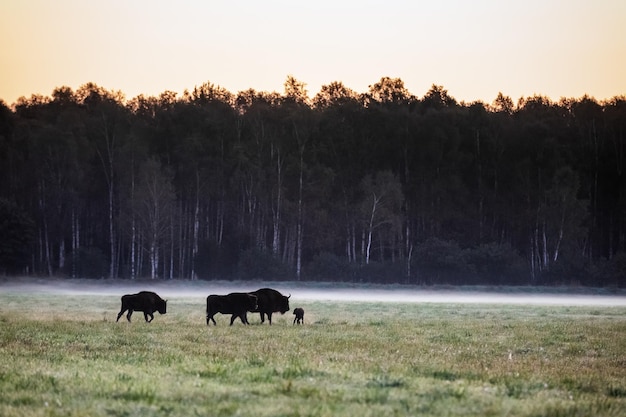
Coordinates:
237	303
146	301
270	301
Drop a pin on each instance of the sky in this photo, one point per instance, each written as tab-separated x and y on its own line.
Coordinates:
473	48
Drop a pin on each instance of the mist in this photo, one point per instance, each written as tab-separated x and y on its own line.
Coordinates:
321	292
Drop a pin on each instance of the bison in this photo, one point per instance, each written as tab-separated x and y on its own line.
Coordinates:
237	303
146	301
270	301
299	313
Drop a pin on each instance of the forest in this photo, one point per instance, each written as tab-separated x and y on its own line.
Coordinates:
373	187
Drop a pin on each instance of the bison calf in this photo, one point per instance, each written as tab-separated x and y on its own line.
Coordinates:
299	313
145	301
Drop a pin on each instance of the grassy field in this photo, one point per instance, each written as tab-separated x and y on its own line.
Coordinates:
64	355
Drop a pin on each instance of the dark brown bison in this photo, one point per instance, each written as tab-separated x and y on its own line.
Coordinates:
270	301
145	301
299	313
237	303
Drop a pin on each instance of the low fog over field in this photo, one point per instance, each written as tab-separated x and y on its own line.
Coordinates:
330	292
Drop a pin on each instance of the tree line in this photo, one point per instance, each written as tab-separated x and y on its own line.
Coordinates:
380	186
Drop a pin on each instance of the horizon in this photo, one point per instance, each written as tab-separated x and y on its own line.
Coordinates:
311	95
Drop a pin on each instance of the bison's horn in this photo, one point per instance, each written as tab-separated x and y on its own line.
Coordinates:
289	296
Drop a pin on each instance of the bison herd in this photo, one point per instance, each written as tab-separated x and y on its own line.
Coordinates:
265	301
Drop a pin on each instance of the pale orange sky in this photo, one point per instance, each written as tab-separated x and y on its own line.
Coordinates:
474	49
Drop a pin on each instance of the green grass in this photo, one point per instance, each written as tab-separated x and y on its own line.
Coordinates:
63	355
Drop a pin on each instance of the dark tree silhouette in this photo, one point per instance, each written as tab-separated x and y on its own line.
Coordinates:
377	186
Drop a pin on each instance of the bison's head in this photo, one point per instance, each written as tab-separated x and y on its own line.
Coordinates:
284	304
162	306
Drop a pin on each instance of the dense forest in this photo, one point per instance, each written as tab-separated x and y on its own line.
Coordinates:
380	186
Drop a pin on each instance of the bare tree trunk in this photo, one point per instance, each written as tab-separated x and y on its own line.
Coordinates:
353	238
532	261
154	260
133	243
370	228
289	246
40	246
610	233
299	226
182	226
182	240
75	242
62	254
171	274
47	247
536	251
276	210
362	246
45	244
595	190
546	256
408	264
196	228
140	252
219	227
349	231
409	251
111	228
558	243
480	187
133	222
348	243
286	239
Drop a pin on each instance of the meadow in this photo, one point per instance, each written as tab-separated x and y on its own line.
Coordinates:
64	355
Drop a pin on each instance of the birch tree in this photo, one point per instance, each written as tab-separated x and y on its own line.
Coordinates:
381	209
296	98
155	204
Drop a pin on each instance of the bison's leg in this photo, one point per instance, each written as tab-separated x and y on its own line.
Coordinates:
262	317
244	317
120	314
147	314
269	318
294	319
209	319
232	319
130	313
